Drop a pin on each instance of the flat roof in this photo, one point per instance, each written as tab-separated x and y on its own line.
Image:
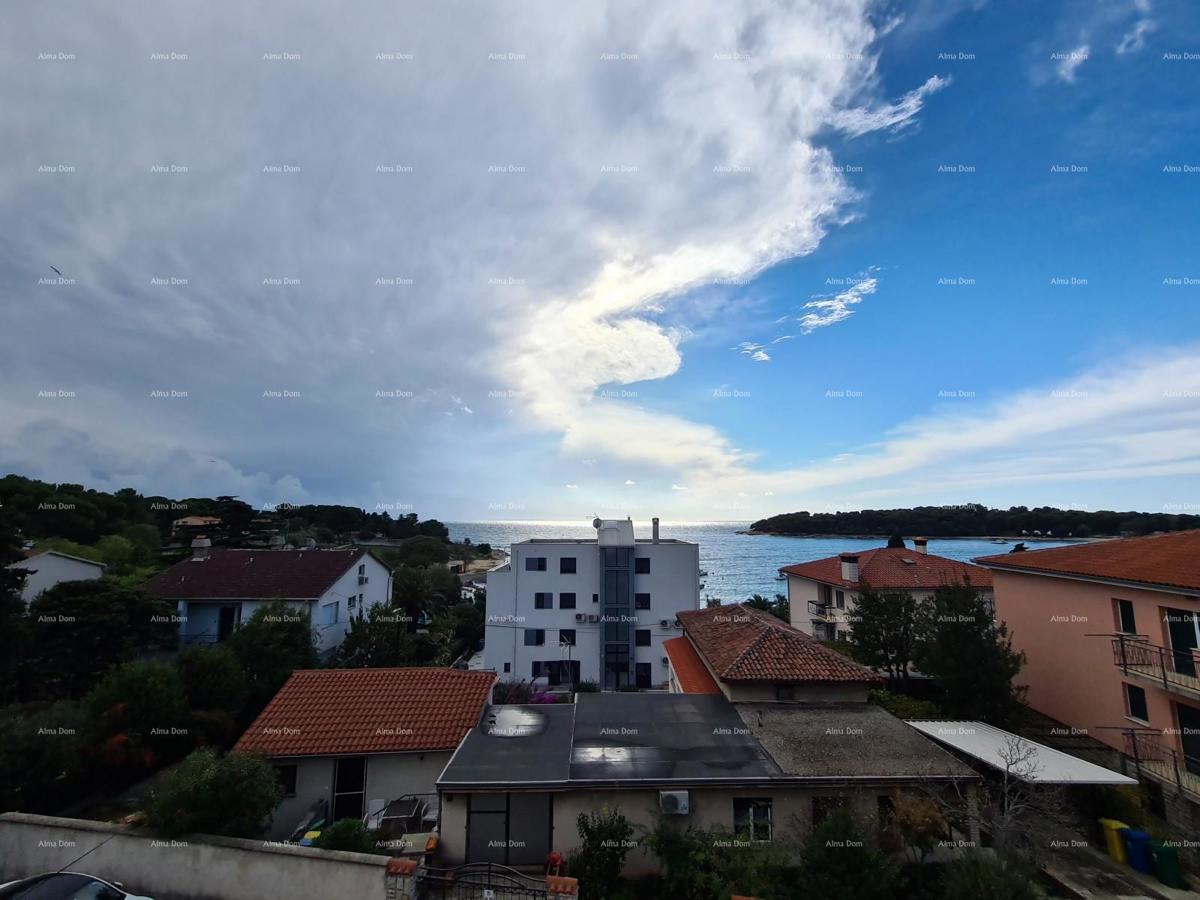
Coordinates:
847	740
1027	760
517	745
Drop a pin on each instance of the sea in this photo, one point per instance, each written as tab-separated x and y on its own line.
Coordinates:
738	565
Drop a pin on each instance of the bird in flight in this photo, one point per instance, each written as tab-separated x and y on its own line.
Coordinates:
56	272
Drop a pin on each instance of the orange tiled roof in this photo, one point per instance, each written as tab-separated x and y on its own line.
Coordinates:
745	644
885	567
1169	560
320	712
689	668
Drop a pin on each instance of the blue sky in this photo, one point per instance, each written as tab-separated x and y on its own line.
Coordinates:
535	273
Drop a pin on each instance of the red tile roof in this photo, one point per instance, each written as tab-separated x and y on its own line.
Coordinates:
1167	560
745	644
886	567
689	668
323	712
255	574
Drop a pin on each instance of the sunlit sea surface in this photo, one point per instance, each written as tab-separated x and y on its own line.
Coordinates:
738	565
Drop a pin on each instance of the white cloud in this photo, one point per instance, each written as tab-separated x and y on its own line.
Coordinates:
678	487
1135	39
832	310
629	482
888	116
1070	61
570	486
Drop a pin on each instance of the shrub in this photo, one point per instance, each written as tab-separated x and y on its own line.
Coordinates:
229	795
350	835
838	862
587	687
904	707
212	679
137	717
982	875
41	756
604	842
511	692
712	865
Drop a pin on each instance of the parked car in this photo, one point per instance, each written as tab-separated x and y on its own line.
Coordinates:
65	886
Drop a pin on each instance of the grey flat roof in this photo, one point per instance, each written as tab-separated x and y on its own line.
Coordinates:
517	745
663	737
847	740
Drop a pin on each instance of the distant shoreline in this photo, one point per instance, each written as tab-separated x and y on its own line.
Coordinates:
1016	539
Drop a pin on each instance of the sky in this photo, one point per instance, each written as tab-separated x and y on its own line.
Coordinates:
518	259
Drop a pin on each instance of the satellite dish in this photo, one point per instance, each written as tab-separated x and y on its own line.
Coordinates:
596	523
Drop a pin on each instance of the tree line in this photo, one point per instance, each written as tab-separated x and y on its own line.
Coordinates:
977	520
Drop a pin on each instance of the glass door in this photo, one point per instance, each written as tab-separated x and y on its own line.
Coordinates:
349	787
1184	628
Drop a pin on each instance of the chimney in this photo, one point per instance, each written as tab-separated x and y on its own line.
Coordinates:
654	527
921	544
849	566
201	547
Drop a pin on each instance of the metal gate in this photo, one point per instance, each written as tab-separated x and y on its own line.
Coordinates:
477	881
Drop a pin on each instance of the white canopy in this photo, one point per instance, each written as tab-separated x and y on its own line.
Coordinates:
1025	759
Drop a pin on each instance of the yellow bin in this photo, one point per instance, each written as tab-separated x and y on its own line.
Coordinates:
1112	838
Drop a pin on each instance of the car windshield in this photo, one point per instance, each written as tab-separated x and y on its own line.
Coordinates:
62	887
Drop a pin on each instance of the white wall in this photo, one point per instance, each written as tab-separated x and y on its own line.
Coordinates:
673	584
51	569
389	776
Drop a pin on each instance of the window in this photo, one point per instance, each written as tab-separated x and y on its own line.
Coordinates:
642	637
566	601
1125	619
641	601
329	613
1135	702
595	598
351	602
535	564
752	818
535	637
508	667
543	601
641	565
566	565
642	675
287	779
826	594
362	569
566	637
840	599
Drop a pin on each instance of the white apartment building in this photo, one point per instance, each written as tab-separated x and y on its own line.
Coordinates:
595	609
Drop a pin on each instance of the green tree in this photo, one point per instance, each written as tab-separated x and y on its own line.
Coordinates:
207	793
605	838
839	862
382	638
885	629
117	552
147	540
41	756
212	678
275	642
779	607
70	548
460	629
14	623
422	550
971	656
137	718
80	628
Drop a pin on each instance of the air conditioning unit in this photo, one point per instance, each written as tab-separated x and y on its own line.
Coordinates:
678	624
592	617
579	617
664	623
666	661
674	803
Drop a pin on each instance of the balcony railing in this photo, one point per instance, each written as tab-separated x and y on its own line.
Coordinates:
819	611
1175	670
1163	763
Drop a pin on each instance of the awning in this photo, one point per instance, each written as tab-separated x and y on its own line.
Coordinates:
1025	759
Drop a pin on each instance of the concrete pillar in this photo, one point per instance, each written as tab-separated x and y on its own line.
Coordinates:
399	881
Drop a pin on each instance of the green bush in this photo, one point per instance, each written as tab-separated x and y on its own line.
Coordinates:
904	707
605	839
213	679
982	875
137	717
838	862
587	687
211	794
511	692
711	865
350	835
41	756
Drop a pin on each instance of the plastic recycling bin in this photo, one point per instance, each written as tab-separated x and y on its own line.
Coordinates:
1137	850
1166	864
1112	838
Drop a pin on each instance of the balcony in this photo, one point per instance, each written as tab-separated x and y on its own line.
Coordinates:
1172	670
819	612
1164	764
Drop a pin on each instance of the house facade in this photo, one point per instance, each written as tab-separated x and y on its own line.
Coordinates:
350	742
217	589
590	610
46	569
1110	632
823	593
